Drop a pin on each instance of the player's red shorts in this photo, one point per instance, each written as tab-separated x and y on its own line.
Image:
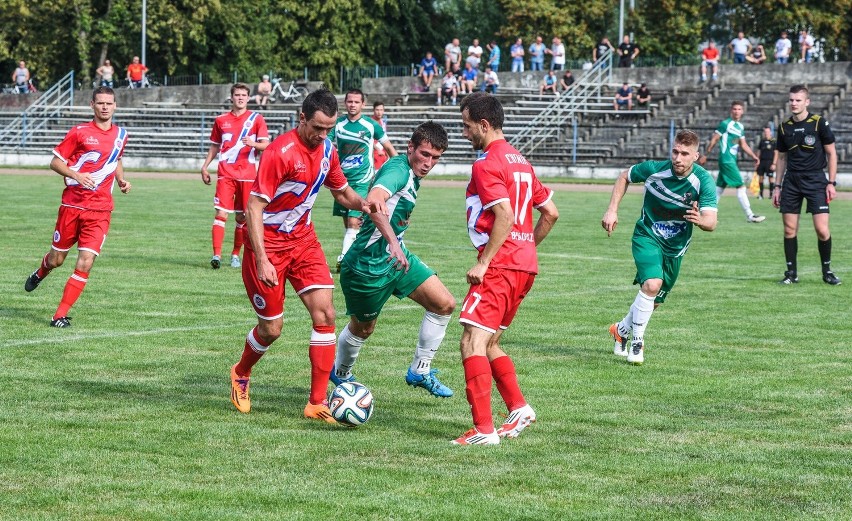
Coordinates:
232	195
494	303
87	228
304	266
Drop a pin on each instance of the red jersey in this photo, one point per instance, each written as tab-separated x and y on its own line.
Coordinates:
135	71
710	54
289	178
236	160
503	174
90	150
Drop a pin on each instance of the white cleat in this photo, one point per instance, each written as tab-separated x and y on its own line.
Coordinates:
636	356
756	219
235	261
474	437
518	420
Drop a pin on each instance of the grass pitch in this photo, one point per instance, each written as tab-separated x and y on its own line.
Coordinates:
741	411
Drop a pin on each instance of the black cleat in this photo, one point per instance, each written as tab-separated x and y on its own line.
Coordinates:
61	322
789	278
830	278
32	282
215	262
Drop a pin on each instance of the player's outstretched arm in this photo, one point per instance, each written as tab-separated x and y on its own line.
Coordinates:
123	184
396	256
610	217
747	149
391	151
549	215
350	199
503	219
254	224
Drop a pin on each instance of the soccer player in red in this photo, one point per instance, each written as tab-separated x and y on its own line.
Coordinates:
282	245
236	138
89	158
501	195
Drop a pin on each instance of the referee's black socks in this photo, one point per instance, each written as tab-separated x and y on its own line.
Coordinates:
824	248
791	249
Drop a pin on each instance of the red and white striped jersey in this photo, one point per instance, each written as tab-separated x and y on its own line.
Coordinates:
237	160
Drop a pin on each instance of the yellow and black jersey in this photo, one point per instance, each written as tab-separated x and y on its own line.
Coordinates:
803	141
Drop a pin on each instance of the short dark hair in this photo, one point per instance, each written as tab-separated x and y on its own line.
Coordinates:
795	89
321	99
102	90
737	103
240	86
378	104
687	137
481	105
432	133
356	91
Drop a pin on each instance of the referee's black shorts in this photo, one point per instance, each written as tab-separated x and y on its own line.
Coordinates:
764	168
797	186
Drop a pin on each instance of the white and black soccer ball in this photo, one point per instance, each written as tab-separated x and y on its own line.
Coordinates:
351	404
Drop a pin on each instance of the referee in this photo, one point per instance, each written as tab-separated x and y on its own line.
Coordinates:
805	146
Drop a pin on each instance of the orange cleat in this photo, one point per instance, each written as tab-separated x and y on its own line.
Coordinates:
240	391
319	411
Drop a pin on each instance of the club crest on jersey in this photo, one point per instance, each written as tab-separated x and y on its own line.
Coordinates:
669	229
352	162
810	140
259	303
687	197
92	140
56	236
300	167
325	166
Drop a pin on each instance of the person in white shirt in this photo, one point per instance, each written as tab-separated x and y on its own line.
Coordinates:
740	46
783	46
806	44
474	54
557	50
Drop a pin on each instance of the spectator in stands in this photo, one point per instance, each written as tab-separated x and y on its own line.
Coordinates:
643	96
380	156
493	56
627	52
710	59
490	81
601	48
449	87
758	55
428	68
474	54
468	83
549	83
452	56
806	45
537	55
264	89
623	96
567	80
106	72
136	73
740	46
517	52
21	77
557	52
783	47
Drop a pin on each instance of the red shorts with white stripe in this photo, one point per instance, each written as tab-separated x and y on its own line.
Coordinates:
494	303
87	228
304	266
232	195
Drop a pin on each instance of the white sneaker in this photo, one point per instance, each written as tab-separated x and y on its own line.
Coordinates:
636	356
235	261
518	420
474	437
756	219
620	347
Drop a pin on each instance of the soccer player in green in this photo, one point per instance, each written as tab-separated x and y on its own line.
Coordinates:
731	136
353	136
678	195
379	265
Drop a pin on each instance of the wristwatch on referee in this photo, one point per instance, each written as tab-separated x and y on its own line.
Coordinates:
833	183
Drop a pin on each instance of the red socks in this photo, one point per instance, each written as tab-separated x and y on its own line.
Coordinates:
218	235
238	239
477	373
43	270
252	352
321	353
506	378
73	288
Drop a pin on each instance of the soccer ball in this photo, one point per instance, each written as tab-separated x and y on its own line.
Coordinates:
351	404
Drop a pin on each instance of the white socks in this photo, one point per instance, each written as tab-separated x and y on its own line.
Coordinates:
743	198
641	309
432	331
348	239
348	348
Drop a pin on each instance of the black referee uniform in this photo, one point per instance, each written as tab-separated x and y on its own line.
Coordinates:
764	167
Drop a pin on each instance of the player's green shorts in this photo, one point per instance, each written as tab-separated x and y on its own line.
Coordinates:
366	294
729	175
338	210
653	263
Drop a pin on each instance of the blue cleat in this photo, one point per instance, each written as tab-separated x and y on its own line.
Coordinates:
429	382
336	380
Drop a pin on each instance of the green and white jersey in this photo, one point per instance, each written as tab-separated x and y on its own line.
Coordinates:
729	143
354	142
369	253
667	198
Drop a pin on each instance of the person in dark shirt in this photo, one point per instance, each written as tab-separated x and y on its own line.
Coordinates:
766	166
643	96
627	52
567	80
805	148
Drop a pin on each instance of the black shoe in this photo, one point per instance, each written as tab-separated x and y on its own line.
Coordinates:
830	278
61	322
32	282
215	262
789	278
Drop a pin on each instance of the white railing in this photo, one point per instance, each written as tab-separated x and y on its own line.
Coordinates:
51	102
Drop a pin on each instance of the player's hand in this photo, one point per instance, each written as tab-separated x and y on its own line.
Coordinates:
85	180
609	221
266	272
249	141
693	215
776	197
476	274
205	176
123	185
397	258
376	207
830	192
702	160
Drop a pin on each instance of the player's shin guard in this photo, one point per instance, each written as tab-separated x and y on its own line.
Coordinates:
824	248
433	328
477	375
642	308
43	271
321	353
348	348
506	379
218	232
791	251
238	238
73	289
253	350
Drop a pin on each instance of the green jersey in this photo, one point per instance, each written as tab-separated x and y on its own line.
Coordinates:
354	142
667	198
730	133
369	253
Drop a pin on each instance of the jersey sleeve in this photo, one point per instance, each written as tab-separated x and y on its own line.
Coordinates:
335	180
640	172
260	129
541	194
781	141
722	128
490	186
378	131
270	174
824	132
391	179
707	194
65	149
216	133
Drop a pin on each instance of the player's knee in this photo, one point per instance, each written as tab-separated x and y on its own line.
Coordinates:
269	331
362	329
446	307
652	287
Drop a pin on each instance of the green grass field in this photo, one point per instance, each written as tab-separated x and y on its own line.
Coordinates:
743	409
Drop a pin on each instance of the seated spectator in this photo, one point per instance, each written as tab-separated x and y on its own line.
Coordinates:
428	68
490	82
136	73
710	58
468	83
643	96
549	83
740	46
21	77
264	88
449	87
806	44
757	56
567	80
106	72
474	54
623	96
